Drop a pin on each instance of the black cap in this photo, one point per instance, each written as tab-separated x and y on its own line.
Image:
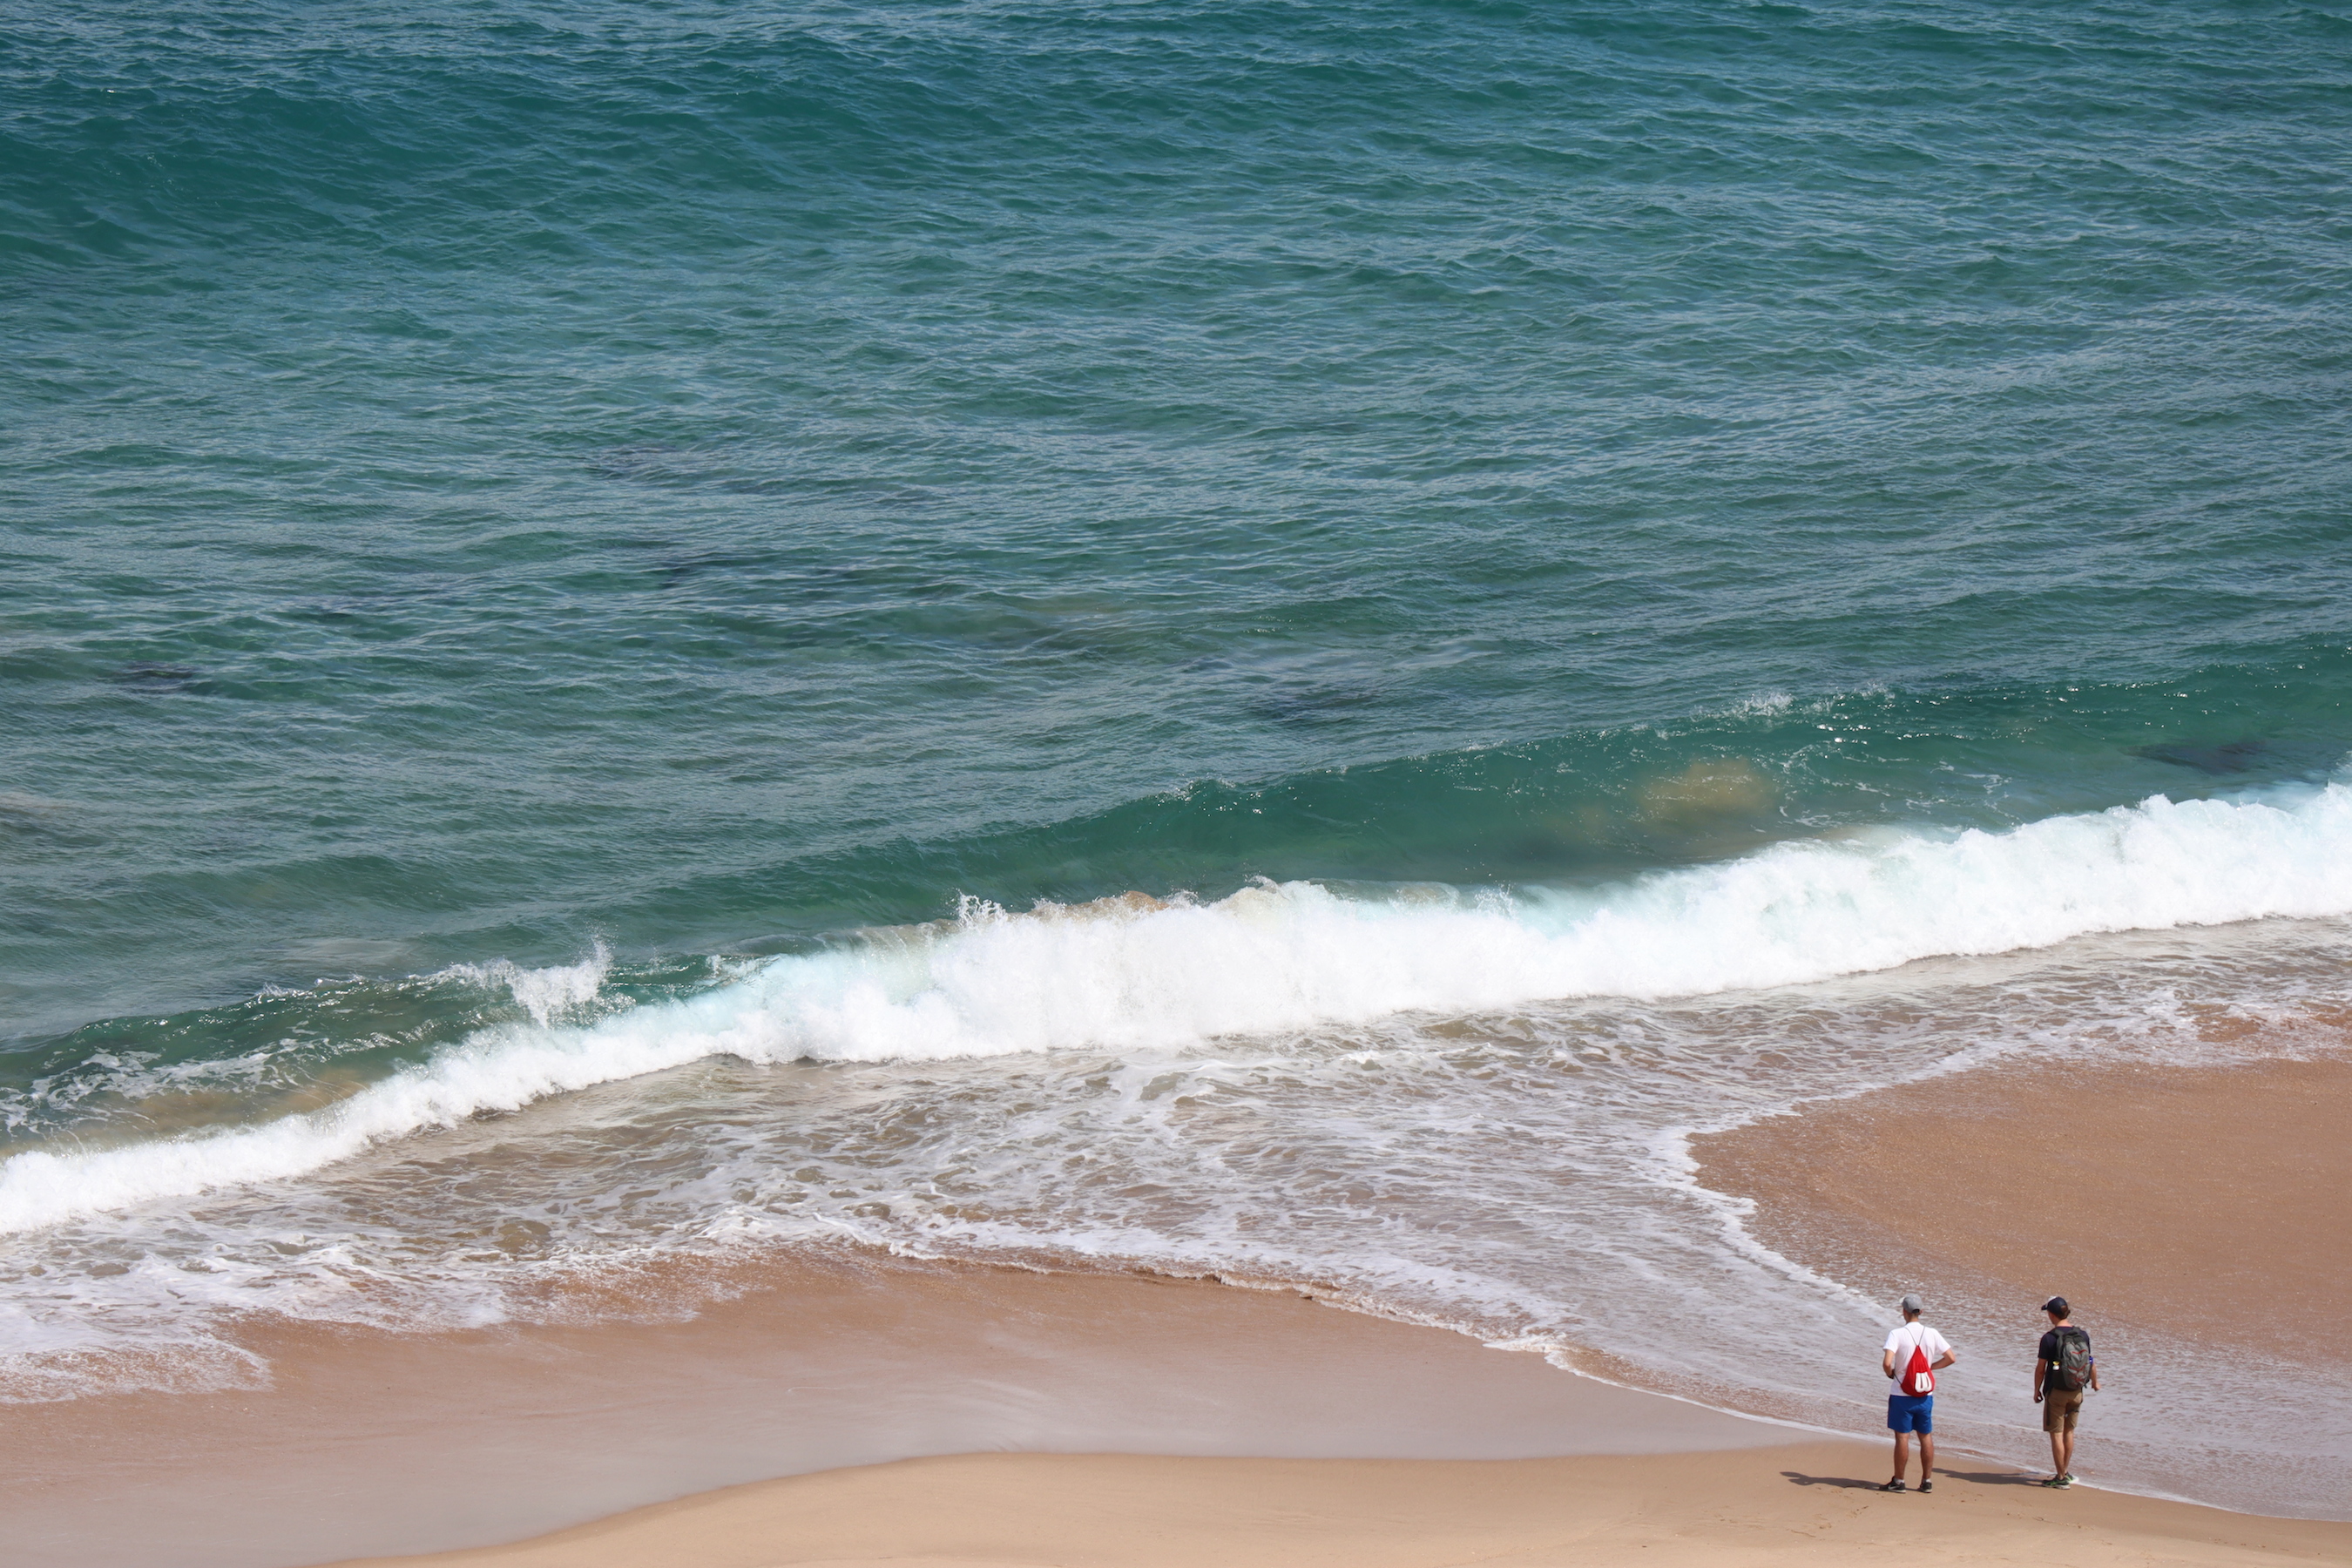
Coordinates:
2056	1304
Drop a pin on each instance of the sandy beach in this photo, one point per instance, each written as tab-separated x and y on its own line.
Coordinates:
2192	1190
2199	1204
1801	1503
2191	1215
365	1443
840	1409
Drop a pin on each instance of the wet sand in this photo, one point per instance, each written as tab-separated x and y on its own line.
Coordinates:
373	1444
2185	1193
965	1415
1804	1504
2207	1206
2195	1217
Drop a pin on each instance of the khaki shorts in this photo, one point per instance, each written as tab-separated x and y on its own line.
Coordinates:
2059	1409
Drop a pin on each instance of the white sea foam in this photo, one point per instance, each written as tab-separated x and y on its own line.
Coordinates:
545	993
1273	958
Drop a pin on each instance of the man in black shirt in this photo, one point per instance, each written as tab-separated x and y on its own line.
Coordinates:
2062	1368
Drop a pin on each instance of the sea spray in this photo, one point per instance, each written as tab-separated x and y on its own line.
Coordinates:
547	993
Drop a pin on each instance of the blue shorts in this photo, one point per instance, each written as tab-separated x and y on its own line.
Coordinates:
1911	1413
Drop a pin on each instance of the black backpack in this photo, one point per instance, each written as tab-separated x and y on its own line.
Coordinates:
2069	1366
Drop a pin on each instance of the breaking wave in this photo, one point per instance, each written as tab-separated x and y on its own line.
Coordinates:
1143	973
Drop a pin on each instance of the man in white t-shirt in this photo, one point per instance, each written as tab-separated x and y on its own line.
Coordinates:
1915	1353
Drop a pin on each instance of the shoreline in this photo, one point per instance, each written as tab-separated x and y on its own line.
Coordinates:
817	1371
812	1364
2167	1203
2183	1161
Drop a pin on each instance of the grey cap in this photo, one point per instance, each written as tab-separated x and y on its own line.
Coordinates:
1913	1304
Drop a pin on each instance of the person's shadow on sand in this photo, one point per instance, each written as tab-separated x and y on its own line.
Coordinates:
1798	1479
1981	1478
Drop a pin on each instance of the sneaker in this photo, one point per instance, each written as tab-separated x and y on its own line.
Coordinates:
1926	1485
2065	1482
2055	1481
1892	1487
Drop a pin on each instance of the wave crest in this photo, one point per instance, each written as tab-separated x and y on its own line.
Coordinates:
1140	972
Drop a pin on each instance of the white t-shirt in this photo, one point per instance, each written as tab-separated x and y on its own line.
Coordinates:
1901	1340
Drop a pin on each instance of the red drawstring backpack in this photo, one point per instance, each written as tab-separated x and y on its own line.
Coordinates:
1916	1376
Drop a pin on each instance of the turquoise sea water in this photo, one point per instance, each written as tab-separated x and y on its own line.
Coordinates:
522	522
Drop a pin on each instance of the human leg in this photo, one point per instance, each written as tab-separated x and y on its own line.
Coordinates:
1907	1413
2059	1409
1926	1458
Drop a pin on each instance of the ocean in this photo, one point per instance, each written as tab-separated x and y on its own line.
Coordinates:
1270	640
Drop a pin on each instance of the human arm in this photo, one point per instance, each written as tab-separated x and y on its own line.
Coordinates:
2041	1371
1947	1359
1886	1364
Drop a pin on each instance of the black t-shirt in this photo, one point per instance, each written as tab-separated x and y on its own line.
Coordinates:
2053	1344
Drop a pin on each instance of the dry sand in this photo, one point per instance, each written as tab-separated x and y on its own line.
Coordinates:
1802	1504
